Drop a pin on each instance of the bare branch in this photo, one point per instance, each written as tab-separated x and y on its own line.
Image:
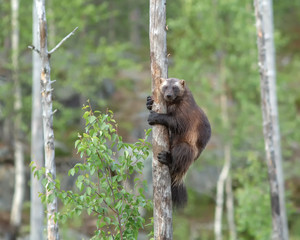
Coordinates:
55	110
33	48
62	41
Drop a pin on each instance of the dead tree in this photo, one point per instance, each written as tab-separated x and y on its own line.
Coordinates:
266	51
224	181
162	200
37	148
17	203
47	112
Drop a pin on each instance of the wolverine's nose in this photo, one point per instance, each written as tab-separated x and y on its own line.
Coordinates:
169	96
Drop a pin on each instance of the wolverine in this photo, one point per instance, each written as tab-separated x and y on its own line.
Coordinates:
189	131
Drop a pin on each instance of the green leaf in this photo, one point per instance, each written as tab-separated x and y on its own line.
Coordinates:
107	220
77	142
71	172
91	119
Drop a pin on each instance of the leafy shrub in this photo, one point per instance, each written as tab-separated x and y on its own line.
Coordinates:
108	165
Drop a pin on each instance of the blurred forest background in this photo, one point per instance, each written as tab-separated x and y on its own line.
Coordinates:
212	45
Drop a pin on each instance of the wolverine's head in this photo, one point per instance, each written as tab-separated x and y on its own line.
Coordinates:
172	88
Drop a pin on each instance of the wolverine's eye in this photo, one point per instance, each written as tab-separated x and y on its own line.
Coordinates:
175	88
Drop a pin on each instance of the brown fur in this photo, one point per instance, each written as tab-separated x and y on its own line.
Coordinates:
189	132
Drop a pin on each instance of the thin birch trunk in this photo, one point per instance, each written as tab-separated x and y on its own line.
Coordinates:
37	154
230	208
266	50
162	200
16	212
220	194
52	226
224	177
134	19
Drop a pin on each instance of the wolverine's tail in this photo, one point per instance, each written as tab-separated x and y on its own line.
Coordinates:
179	195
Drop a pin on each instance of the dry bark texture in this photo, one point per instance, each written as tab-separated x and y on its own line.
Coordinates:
46	90
37	150
266	50
162	199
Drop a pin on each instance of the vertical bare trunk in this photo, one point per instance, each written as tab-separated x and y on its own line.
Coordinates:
224	177
162	199
37	156
220	194
16	212
111	23
266	50
52	30
52	227
135	17
230	208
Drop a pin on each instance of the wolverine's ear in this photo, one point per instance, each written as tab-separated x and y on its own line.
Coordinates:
162	80
182	82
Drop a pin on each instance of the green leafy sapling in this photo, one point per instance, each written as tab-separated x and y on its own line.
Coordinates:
108	163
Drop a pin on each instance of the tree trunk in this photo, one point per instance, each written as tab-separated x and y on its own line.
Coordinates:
162	200
224	177
220	194
266	50
16	212
52	227
36	206
230	208
135	19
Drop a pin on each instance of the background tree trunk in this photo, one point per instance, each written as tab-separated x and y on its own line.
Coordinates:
135	19
162	200
224	177
37	154
52	227
220	194
266	50
230	208
16	211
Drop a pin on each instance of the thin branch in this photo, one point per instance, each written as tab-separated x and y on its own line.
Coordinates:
62	41
33	48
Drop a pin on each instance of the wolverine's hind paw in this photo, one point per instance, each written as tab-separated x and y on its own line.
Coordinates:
149	103
164	157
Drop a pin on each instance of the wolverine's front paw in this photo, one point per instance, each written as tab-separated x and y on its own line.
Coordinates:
149	103
152	119
164	157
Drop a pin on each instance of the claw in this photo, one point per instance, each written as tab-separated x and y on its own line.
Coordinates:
149	103
164	157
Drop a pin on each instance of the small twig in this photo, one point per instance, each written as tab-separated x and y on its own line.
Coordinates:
62	41
33	48
55	110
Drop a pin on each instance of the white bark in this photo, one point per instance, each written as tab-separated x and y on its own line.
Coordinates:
266	49
37	151
220	194
224	177
230	208
17	203
52	227
162	200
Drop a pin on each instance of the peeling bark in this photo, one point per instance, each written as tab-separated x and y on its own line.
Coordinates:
266	50
162	199
46	91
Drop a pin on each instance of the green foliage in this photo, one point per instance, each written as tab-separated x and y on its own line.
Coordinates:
253	211
102	179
